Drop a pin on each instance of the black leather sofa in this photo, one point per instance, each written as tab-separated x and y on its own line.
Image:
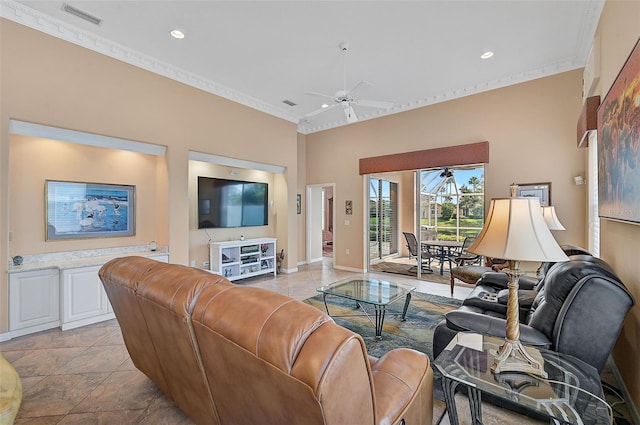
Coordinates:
577	308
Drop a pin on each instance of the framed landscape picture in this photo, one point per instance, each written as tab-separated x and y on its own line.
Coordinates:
619	145
541	191
77	210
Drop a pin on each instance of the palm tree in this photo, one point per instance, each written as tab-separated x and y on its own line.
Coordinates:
475	182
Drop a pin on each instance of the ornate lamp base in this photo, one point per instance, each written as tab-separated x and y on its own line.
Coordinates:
512	357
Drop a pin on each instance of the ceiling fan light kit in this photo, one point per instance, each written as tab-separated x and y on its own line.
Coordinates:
344	98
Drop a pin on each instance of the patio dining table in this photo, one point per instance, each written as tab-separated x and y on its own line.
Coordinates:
444	250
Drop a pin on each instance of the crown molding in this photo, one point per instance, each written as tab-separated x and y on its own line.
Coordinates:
507	80
36	20
584	41
31	18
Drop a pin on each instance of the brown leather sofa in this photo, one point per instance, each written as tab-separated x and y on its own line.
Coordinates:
232	354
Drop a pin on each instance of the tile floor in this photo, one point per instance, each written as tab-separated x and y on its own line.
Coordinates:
85	376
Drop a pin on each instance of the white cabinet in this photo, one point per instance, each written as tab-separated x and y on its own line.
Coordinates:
84	300
67	295
242	259
34	300
163	258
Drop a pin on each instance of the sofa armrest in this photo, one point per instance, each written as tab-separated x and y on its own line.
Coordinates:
501	280
403	384
494	279
527	282
466	321
525	297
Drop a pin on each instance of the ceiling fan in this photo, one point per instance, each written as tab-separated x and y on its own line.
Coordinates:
345	98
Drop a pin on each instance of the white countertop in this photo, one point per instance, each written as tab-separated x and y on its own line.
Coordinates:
72	260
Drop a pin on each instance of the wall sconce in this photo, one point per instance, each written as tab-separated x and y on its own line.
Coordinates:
578	180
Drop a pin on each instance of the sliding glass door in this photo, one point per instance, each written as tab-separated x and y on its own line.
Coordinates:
451	202
383	218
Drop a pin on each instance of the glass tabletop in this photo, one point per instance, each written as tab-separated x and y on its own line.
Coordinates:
571	394
371	291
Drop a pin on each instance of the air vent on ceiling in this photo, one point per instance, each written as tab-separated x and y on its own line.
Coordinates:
288	102
81	14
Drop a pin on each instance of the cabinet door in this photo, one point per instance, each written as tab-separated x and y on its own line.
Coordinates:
83	294
34	300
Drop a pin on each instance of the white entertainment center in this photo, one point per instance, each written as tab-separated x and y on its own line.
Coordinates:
242	259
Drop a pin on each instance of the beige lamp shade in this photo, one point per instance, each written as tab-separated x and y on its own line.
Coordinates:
515	229
549	214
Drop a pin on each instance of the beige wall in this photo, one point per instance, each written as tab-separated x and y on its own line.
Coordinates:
530	128
199	238
407	210
302	181
618	31
48	81
34	160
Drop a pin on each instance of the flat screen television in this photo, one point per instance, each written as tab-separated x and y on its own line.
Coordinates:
231	203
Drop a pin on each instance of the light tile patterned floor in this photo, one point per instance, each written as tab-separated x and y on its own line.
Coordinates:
85	376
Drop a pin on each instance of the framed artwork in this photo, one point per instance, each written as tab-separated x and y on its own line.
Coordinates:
542	191
299	203
619	145
77	210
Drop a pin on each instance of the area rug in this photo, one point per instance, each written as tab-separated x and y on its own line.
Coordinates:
410	270
396	268
424	313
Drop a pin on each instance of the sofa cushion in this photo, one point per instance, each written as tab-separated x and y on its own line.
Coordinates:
10	392
291	353
232	354
260	322
565	276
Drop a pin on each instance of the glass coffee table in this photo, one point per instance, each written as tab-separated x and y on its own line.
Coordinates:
379	293
572	394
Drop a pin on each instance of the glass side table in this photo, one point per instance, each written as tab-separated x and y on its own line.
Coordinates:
571	395
378	293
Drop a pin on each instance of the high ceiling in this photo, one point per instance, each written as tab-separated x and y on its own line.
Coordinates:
261	53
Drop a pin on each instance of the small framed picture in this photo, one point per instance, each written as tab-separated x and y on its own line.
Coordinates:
348	207
299	203
542	191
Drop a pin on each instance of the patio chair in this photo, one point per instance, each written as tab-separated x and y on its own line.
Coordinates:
463	256
425	257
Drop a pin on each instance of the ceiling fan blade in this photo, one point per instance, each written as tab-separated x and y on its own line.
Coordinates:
350	113
374	103
360	85
313	93
318	111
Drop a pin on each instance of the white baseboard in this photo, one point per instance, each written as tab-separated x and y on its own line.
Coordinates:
5	336
293	270
349	269
625	393
315	260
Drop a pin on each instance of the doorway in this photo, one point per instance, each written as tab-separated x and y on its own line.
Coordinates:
320	222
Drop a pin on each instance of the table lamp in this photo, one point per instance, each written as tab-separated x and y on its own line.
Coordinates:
515	229
549	214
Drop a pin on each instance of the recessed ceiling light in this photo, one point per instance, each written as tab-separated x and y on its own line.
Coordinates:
177	34
324	105
486	55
